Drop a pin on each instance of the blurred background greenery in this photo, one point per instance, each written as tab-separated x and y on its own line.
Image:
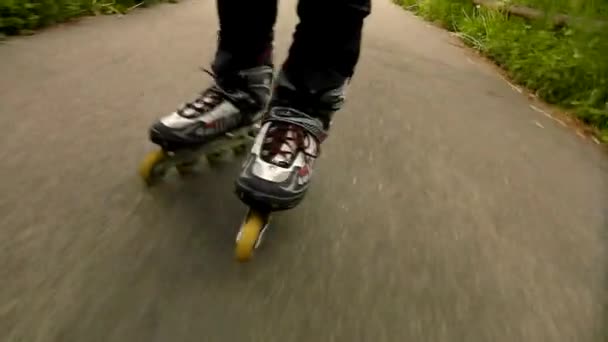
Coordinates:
565	65
24	16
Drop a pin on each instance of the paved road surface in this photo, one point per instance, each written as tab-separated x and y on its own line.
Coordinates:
445	209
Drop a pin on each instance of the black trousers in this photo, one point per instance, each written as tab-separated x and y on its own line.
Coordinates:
326	43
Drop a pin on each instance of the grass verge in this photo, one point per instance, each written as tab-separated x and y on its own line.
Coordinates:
566	66
26	16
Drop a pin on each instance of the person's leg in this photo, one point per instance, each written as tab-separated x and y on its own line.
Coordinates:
327	43
245	35
242	72
308	91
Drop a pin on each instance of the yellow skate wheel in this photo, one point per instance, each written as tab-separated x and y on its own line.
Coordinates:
248	235
186	169
152	167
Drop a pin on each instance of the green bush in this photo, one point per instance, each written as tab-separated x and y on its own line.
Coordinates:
566	66
17	16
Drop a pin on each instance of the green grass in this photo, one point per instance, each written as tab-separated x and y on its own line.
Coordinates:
24	16
567	67
586	8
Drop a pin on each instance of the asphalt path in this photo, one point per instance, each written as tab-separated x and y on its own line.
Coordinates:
445	208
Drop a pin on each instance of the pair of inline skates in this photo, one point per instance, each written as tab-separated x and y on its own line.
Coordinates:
245	113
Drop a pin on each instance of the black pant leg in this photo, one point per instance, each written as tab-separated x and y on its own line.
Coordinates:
246	33
327	42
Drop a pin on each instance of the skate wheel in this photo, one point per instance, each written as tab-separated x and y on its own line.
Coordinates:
186	169
247	238
152	167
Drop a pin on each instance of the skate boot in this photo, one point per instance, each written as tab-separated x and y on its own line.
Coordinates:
221	118
277	173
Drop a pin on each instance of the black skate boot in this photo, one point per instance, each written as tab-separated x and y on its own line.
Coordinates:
233	101
221	117
277	173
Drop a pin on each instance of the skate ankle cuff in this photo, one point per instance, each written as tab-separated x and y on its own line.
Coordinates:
248	89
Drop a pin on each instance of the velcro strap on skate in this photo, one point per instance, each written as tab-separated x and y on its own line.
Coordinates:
289	115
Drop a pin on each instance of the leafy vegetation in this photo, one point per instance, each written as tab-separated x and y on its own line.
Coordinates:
23	16
565	66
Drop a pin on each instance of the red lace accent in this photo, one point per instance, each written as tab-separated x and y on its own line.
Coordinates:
278	135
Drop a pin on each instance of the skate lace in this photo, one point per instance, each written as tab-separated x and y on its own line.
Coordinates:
208	99
283	142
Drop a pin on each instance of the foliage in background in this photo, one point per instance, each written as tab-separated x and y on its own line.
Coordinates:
567	66
22	16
